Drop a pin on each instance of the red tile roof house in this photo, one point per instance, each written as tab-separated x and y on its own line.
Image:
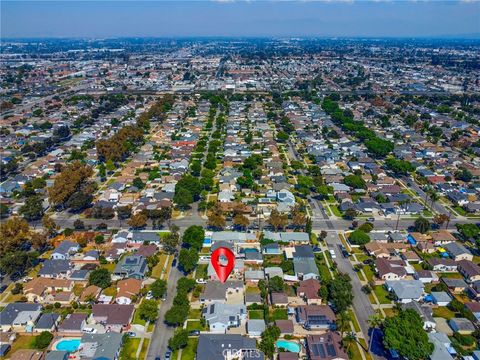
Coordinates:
308	290
325	347
315	317
113	317
469	270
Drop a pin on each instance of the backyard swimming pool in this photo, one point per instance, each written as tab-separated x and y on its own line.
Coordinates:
289	346
70	345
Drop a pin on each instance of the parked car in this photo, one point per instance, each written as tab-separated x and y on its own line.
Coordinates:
371	219
168	355
194	333
131	334
174	262
3	288
201	281
332	253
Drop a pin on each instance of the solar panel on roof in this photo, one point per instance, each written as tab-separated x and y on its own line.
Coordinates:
319	350
331	350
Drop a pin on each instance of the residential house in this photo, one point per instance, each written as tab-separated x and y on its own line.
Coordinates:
456	286
73	323
315	317
55	269
405	291
64	250
458	252
127	290
440	298
390	269
47	322
255	328
308	290
101	346
220	317
461	325
327	346
114	317
226	347
469	270
304	263
19	317
443	349
39	289
442	265
131	267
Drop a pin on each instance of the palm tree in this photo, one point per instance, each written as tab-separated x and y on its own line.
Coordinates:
433	197
343	322
349	340
374	320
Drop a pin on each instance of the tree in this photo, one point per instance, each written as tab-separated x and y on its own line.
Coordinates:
468	231
379	147
43	340
349	340
340	293
179	339
343	322
277	220
148	310
359	237
158	288
33	208
79	224
399	167
440	219
350	214
275	284
194	237
137	221
49	225
170	242
177	314
269	337
138	183
355	181
188	259
366	227
79	201
404	333
374	320
422	225
464	175
100	277
71	179
124	212
183	198
216	219
241	221
299	219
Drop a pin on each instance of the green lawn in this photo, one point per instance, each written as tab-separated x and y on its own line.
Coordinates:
279	314
189	352
129	348
143	352
137	319
255	314
201	271
195	314
443	312
23	342
460	210
195	325
335	210
157	269
368	272
381	294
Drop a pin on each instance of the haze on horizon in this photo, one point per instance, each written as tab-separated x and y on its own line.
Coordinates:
98	19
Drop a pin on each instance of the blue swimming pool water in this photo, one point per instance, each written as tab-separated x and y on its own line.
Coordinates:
288	345
411	240
70	345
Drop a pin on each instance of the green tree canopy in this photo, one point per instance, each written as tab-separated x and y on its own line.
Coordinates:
404	333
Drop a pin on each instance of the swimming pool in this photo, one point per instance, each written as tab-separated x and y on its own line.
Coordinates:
289	346
70	345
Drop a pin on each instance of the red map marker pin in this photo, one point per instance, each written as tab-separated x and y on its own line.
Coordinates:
223	270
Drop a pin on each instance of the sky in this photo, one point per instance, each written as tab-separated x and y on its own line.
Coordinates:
348	18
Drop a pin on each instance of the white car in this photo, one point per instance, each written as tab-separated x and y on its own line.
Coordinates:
332	253
201	281
89	330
